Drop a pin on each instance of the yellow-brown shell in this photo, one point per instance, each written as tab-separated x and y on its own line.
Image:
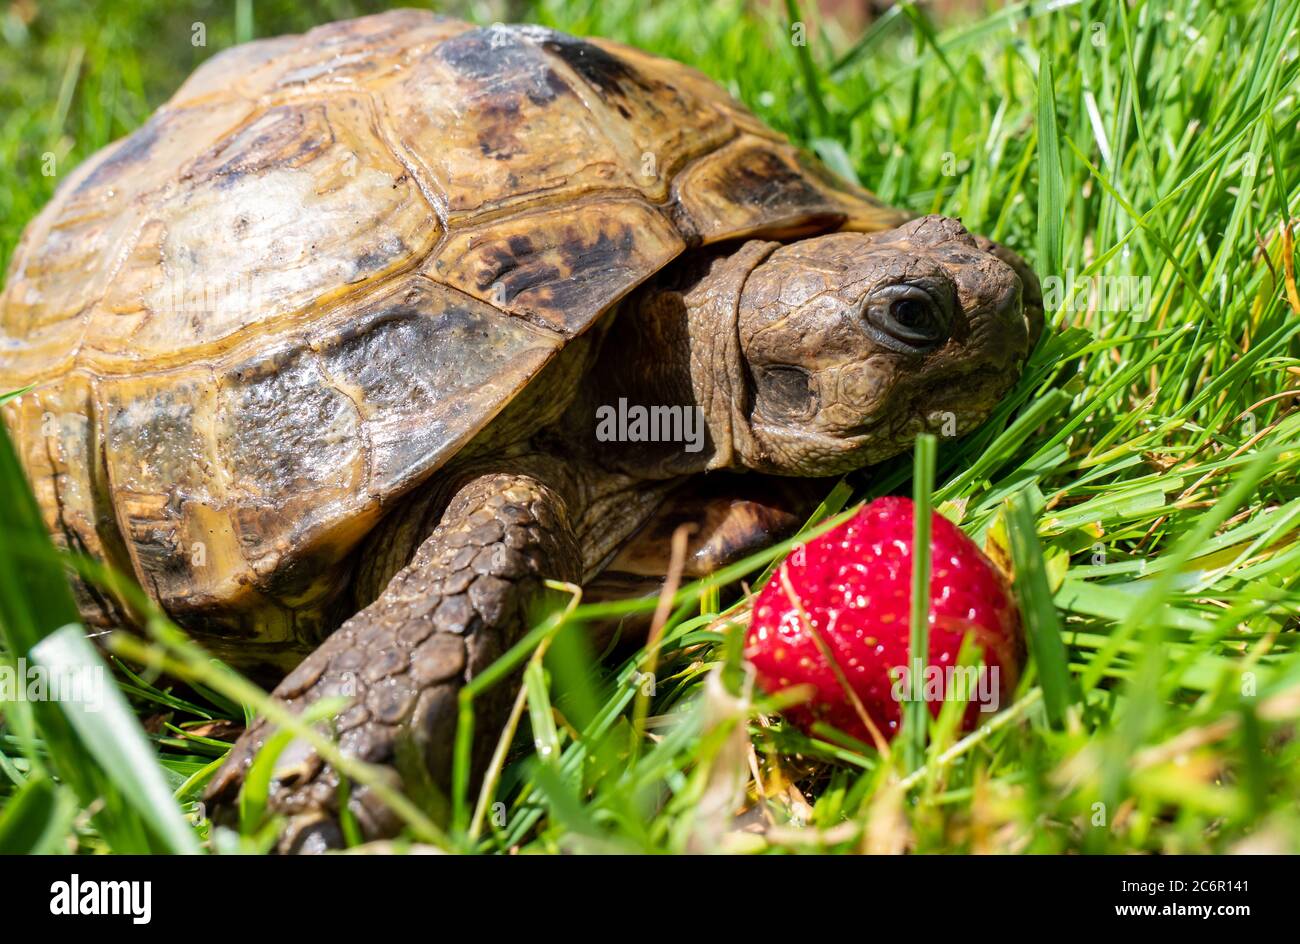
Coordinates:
215	313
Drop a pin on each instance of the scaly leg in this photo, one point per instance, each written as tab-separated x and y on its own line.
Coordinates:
460	603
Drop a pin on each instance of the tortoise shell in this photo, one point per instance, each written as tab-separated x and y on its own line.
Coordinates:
214	315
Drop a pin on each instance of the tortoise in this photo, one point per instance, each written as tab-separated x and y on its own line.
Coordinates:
341	355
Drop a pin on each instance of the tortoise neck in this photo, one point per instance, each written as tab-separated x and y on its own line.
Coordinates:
671	393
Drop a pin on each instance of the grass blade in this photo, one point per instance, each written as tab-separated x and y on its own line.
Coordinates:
35	820
916	716
1042	623
111	734
1051	182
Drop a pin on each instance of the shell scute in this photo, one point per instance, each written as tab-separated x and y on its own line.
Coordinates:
560	268
298	207
493	125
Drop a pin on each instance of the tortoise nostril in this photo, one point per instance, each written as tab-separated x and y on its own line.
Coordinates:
786	392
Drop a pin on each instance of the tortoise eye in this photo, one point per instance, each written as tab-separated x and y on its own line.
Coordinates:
911	313
908	316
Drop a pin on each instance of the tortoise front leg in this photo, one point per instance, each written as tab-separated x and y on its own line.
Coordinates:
460	603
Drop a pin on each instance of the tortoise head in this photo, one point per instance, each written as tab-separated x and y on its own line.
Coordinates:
854	343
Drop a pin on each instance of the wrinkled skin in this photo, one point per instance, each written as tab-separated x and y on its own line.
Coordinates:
802	363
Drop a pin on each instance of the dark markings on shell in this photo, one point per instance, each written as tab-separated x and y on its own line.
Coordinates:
287	427
379	258
497	138
592	263
507	70
424	365
760	178
500	57
519	266
160	435
604	71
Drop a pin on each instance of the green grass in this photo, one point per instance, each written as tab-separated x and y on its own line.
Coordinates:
1142	475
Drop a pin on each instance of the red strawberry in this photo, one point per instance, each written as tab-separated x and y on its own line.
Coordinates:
854	587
